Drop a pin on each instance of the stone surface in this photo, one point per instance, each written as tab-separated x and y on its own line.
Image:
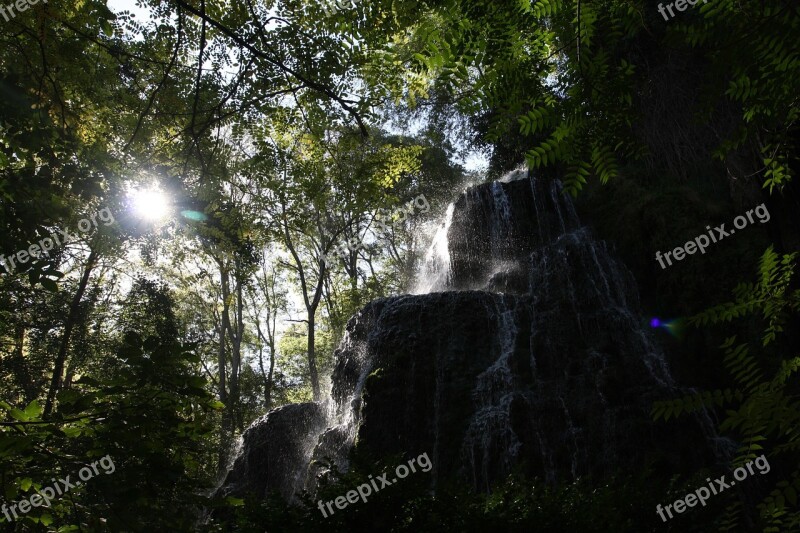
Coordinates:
275	452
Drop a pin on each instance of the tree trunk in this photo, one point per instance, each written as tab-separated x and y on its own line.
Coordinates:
266	376
63	350
311	307
236	353
226	428
19	366
312	357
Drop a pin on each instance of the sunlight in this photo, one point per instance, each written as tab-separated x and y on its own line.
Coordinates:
150	204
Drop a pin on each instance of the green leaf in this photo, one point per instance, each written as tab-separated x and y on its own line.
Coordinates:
71	431
16	414
49	284
790	495
107	28
34	410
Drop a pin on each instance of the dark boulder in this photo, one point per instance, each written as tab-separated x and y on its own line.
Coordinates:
275	451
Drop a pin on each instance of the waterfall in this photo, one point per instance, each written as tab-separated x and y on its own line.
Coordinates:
521	347
434	273
551	261
501	220
490	444
342	413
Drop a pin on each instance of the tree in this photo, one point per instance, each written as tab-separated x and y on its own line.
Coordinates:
273	303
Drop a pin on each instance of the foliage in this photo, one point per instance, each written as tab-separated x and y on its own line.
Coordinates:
149	388
763	411
516	505
574	84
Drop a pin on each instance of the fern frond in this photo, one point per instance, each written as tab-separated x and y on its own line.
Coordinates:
694	402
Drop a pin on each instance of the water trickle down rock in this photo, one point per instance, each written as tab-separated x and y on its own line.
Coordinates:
275	452
526	353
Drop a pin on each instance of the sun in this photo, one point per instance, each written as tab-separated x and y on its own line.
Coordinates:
150	204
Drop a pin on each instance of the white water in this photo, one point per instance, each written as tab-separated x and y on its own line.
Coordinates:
434	273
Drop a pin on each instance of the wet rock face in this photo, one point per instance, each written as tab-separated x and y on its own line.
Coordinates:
490	389
417	396
497	225
275	452
545	369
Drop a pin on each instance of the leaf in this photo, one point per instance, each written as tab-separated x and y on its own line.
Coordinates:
107	28
49	284
34	410
16	414
14	444
71	431
790	495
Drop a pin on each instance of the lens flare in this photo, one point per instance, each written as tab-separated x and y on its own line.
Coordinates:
197	216
674	327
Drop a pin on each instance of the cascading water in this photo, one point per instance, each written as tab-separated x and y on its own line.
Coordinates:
435	270
490	444
522	349
501	220
342	414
